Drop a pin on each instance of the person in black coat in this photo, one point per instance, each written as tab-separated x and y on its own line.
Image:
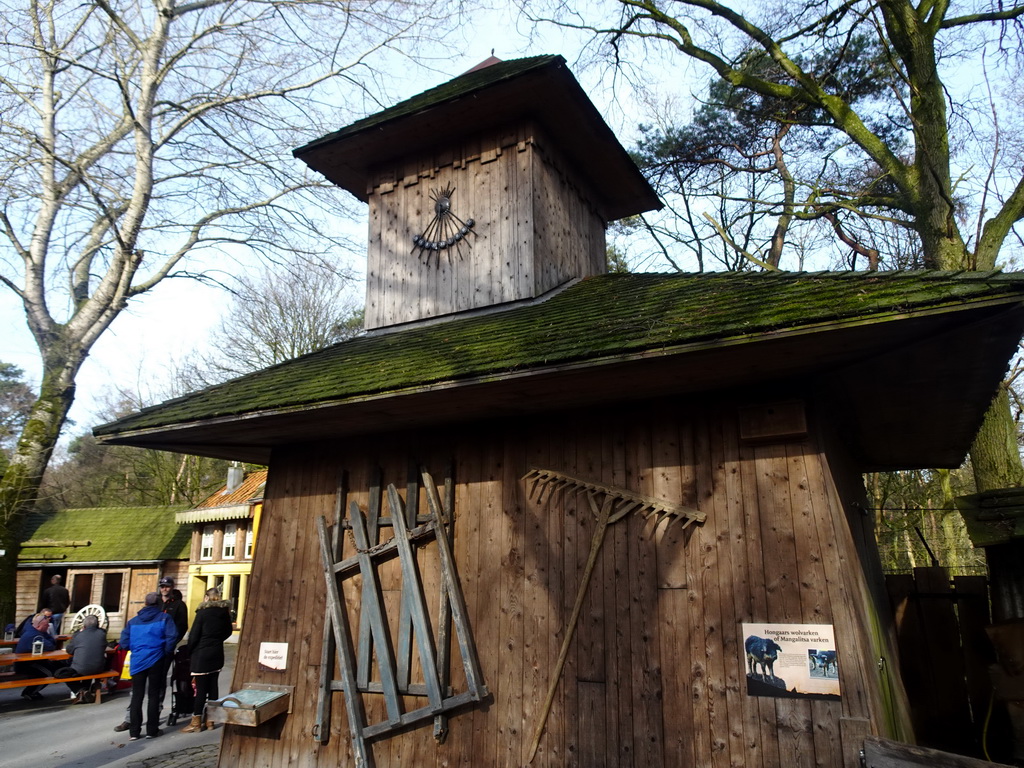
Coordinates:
173	606
211	627
56	599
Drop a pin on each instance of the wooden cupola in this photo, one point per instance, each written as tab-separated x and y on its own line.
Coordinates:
495	187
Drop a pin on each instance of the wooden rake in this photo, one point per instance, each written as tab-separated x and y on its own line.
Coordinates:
609	505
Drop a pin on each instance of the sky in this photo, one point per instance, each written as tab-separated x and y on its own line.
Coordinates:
140	348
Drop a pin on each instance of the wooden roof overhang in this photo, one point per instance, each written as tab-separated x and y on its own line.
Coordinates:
508	92
214	514
907	388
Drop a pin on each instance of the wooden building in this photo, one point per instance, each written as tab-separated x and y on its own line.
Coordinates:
536	513
108	556
223	528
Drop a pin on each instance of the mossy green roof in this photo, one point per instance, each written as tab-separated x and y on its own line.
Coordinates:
117	534
597	319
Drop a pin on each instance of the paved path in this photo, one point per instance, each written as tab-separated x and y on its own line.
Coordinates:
193	757
52	733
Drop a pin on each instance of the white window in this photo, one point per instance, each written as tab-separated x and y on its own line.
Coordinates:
248	542
206	544
230	534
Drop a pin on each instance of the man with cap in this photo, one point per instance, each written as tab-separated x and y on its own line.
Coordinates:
150	636
174	608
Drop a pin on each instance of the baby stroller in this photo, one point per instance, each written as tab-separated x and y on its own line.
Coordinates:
182	695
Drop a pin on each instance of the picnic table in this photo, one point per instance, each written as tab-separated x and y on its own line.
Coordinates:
8	659
59	640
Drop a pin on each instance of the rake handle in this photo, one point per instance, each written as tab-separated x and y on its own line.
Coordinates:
603	521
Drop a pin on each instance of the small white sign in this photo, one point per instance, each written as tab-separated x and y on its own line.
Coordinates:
274	655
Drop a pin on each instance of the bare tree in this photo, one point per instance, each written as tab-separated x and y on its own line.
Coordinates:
806	51
962	214
278	315
86	473
766	169
135	137
16	399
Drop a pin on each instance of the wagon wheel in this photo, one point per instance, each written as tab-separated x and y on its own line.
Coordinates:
90	610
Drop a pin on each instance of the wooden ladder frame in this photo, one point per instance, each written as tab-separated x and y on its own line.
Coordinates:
410	530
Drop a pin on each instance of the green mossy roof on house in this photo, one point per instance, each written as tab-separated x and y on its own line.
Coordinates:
117	534
610	317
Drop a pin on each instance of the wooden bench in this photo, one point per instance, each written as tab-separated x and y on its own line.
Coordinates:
24	682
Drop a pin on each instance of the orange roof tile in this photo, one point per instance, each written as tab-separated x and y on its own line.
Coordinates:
251	488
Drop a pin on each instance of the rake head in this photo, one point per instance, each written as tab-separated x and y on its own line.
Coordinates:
545	484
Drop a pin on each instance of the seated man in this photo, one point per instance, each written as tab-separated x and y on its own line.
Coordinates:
39	629
27	621
88	649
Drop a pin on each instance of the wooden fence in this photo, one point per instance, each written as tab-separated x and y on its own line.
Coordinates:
944	655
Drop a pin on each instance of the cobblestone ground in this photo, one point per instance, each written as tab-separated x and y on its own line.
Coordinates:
193	757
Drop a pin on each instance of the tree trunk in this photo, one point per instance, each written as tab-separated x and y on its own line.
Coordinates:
994	454
995	457
19	487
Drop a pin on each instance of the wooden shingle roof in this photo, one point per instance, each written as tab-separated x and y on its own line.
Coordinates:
105	534
539	88
462	86
608	337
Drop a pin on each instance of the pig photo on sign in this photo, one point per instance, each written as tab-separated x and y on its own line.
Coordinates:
825	661
761	651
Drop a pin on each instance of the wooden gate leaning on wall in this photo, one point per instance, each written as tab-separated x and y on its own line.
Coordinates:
390	639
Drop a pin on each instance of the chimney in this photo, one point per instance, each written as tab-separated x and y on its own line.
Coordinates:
235	477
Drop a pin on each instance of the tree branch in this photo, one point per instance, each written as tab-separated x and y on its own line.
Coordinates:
743	252
1005	14
996	229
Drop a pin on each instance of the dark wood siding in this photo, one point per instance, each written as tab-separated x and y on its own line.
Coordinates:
655	674
534	229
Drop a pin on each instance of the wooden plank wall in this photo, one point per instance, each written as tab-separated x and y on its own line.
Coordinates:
142	581
488	177
845	483
569	235
137	581
533	231
28	591
655	675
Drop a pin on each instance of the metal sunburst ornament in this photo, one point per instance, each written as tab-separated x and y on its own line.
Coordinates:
445	230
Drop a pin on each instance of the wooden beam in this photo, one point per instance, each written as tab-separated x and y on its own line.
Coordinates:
52	543
336	609
322	726
882	753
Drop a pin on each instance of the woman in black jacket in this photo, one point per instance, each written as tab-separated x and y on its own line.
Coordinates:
212	626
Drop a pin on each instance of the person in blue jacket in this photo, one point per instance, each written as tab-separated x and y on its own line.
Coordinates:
38	629
150	637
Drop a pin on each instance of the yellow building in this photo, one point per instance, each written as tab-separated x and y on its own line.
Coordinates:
224	528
